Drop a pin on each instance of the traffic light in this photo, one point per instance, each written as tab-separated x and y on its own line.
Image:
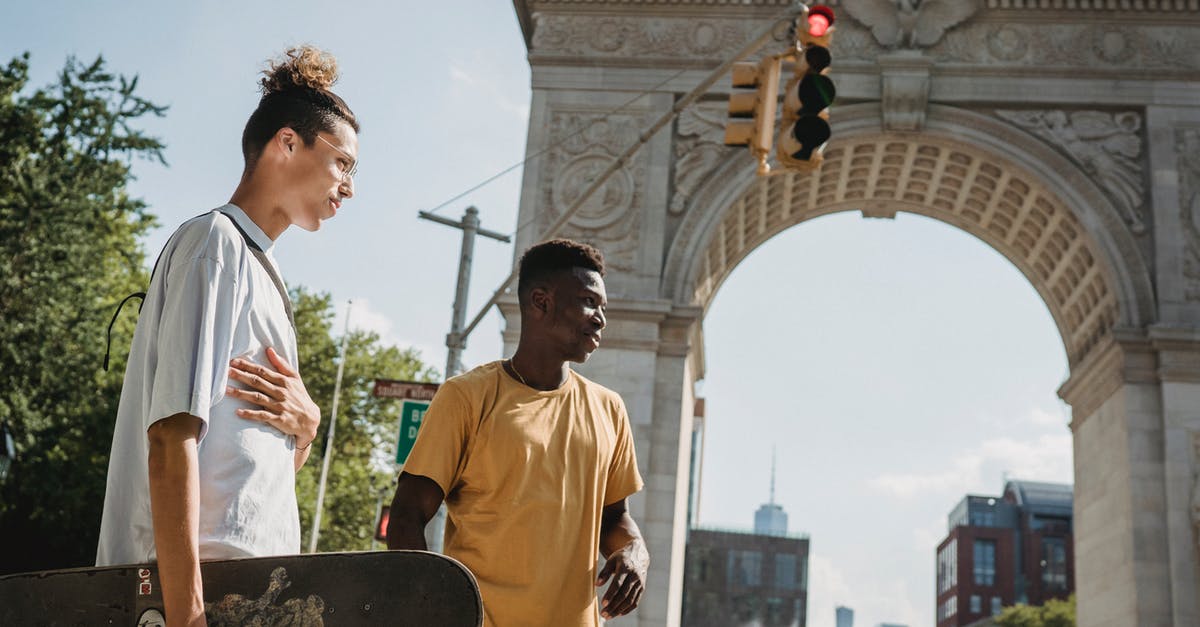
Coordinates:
752	113
806	100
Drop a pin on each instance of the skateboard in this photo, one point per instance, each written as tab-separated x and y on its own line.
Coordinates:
415	588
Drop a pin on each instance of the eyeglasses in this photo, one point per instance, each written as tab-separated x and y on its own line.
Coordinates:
350	170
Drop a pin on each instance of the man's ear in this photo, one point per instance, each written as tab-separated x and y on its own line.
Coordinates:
541	301
286	140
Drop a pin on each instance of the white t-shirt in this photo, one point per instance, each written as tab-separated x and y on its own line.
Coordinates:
210	300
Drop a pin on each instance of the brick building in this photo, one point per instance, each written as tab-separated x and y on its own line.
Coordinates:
999	551
739	577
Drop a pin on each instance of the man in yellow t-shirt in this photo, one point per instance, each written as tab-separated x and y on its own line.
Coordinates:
534	462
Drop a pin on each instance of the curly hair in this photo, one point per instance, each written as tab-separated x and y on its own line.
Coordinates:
295	94
542	261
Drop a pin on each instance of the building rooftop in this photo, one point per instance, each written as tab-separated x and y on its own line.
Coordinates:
748	532
1037	494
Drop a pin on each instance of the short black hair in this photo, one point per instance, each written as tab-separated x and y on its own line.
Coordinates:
542	261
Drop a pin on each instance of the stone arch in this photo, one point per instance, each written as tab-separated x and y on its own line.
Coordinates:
1021	197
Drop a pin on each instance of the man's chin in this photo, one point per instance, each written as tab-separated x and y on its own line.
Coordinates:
581	357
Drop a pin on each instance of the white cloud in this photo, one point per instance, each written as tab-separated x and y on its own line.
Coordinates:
1043	418
827	588
462	76
928	537
364	317
1045	458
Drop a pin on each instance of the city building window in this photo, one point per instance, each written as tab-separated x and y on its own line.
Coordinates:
976	604
948	608
983	518
985	562
744	568
785	571
1054	563
995	606
774	611
948	566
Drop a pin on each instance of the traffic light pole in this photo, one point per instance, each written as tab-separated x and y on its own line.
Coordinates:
456	340
783	17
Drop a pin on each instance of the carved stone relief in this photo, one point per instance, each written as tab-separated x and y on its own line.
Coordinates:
1108	146
1095	46
627	37
1187	150
699	147
910	24
586	142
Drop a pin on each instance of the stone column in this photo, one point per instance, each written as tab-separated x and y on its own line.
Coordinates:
1120	509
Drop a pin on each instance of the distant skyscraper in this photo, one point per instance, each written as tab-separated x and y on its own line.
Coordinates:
734	577
845	617
770	519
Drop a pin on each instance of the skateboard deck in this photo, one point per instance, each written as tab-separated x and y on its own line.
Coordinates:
366	588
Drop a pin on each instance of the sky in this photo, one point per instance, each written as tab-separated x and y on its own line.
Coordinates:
902	364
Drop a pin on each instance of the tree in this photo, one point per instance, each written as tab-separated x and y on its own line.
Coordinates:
360	468
1055	613
69	252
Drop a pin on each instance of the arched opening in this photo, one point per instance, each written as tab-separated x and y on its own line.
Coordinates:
895	366
1020	197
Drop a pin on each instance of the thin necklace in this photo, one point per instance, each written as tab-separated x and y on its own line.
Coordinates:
513	367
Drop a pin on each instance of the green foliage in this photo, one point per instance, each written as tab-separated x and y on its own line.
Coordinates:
68	253
365	436
1055	613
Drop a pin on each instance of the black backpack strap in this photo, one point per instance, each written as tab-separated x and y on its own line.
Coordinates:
254	249
266	264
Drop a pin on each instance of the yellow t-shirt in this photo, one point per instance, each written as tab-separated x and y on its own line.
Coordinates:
526	474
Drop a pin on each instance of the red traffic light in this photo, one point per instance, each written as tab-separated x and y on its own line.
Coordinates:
820	18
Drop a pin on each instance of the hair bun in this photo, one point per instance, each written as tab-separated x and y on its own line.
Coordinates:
306	67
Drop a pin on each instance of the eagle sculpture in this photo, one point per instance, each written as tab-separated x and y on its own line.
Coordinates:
910	23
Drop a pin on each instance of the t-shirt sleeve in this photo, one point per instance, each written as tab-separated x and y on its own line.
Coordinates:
195	340
623	476
442	440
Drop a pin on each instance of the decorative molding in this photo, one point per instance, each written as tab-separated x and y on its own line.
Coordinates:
1139	7
905	78
910	24
986	196
699	147
663	37
1187	154
1098	47
1108	146
586	140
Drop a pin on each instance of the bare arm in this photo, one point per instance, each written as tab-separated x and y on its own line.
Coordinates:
282	397
626	561
175	510
416	501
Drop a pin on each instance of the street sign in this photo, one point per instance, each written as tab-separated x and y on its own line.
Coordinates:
390	388
411	414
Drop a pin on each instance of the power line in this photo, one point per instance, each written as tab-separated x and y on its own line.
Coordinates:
582	128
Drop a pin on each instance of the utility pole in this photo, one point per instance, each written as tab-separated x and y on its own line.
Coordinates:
337	389
456	340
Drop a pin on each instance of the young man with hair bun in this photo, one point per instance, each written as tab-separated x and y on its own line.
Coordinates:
214	419
534	462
